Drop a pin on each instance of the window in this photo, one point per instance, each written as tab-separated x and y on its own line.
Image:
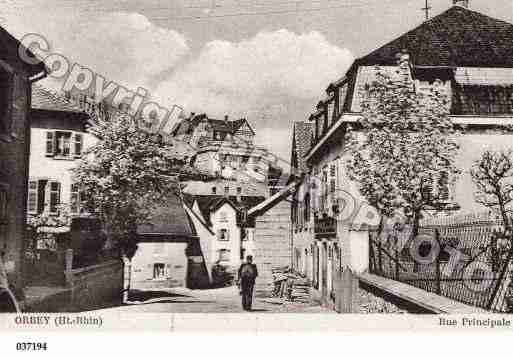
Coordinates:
63	141
64	144
223	217
214	190
6	89
226	190
224	255
332	185
239	190
223	235
159	271
43	195
4	202
55	196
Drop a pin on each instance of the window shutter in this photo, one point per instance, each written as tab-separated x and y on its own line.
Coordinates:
78	141
32	199
55	196
218	234
50	143
227	235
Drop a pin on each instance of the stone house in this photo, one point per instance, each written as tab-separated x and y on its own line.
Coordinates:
16	79
467	53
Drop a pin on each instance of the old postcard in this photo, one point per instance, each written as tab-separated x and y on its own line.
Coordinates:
214	165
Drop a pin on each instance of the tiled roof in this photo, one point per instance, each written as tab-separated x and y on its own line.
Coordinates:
458	37
187	125
302	142
44	99
168	221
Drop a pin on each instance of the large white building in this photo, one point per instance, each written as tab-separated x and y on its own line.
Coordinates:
468	54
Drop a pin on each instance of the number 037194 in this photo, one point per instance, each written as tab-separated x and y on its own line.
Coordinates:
30	346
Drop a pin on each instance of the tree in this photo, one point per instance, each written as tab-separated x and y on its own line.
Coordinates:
492	175
403	149
126	175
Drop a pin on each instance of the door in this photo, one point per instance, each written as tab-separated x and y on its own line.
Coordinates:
324	280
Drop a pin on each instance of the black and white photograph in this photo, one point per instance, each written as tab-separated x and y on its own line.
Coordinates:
197	160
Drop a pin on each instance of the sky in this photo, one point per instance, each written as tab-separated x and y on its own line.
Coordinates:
269	61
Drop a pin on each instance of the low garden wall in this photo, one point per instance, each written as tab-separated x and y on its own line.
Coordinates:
95	286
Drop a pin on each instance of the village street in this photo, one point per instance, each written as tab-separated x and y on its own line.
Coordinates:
220	300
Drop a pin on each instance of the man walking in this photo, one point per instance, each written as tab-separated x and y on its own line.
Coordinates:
247	274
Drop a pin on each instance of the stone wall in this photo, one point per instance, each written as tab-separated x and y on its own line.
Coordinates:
94	286
272	243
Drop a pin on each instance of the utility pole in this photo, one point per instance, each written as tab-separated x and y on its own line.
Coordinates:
426	9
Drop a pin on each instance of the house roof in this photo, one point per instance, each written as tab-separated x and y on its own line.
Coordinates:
9	52
302	142
44	99
459	37
187	125
168	222
210	203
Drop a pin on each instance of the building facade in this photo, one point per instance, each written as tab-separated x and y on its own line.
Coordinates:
168	251
16	79
217	209
59	138
468	56
225	148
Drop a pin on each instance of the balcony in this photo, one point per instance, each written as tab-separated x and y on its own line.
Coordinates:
325	227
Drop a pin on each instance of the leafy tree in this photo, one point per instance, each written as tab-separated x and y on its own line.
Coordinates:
126	175
402	150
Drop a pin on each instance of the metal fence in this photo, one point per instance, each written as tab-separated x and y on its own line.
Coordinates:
471	264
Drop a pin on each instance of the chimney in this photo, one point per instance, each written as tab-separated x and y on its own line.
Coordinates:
462	3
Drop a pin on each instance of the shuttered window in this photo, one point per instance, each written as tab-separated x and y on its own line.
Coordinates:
64	144
32	198
50	143
78	140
